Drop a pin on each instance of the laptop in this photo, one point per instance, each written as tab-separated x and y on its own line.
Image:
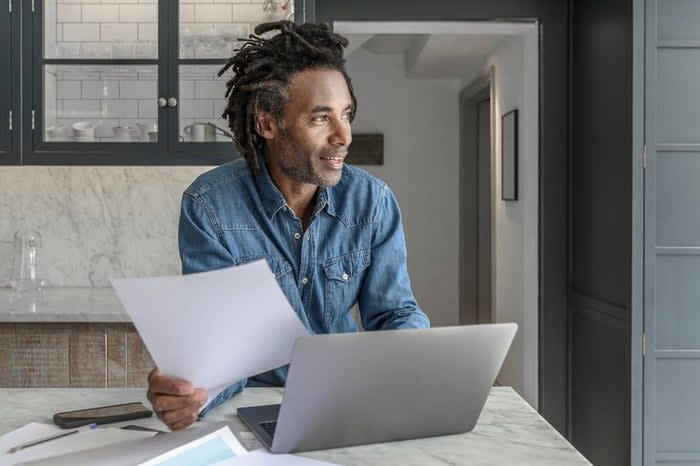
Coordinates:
381	386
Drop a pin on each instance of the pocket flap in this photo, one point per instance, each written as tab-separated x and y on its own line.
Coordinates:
344	268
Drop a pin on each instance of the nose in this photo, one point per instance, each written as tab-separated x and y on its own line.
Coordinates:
342	134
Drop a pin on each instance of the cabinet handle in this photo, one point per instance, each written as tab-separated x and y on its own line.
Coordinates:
161	102
172	102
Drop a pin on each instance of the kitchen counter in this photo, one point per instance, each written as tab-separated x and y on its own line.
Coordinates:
62	305
509	431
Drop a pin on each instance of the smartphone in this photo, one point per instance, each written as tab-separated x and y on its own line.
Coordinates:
101	415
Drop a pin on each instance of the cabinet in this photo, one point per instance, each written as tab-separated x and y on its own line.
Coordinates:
121	82
71	354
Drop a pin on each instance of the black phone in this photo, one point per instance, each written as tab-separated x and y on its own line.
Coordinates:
101	415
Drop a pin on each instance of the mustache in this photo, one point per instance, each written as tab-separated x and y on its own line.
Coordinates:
334	153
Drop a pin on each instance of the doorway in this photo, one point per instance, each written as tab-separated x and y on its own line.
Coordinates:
476	259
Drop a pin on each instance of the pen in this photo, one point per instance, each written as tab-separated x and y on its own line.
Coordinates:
50	437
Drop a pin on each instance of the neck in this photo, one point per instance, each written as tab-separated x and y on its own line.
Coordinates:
299	196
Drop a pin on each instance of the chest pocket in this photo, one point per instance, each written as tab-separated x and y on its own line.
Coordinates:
343	277
280	267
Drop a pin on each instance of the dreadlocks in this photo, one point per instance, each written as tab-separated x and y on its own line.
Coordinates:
263	69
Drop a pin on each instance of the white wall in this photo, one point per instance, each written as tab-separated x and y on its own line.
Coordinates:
419	120
514	229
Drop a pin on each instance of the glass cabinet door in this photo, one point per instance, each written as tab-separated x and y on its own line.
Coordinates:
132	81
100	71
208	35
5	87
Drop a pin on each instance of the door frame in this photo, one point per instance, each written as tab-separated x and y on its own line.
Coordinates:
469	266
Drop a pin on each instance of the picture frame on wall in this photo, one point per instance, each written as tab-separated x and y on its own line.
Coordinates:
509	156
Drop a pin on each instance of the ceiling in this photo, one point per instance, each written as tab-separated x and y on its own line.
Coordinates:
431	55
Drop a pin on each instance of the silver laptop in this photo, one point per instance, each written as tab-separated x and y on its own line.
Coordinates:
381	386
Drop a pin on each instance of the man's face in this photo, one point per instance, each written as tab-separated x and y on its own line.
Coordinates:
315	133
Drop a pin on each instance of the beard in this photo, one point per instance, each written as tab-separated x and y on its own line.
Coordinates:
304	164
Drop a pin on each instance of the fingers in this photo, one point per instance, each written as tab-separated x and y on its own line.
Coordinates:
175	401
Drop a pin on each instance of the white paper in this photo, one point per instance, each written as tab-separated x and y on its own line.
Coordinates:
84	440
213	328
220	445
260	458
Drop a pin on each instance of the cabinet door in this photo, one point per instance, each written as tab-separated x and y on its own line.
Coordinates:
9	153
133	83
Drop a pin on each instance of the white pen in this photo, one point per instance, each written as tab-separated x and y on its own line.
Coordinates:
50	437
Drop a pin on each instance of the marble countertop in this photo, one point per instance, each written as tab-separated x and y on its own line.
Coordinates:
62	305
509	431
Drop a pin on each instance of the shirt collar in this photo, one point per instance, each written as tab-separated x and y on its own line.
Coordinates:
273	200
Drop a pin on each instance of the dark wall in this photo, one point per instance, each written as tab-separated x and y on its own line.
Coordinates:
601	233
553	172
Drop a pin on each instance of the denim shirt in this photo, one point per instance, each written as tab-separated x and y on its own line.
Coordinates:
353	250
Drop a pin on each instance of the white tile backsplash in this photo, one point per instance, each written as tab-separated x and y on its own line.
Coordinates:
118	32
121	108
148	31
138	13
138	89
100	89
100	13
213	13
97	222
148	108
81	32
68	14
68	90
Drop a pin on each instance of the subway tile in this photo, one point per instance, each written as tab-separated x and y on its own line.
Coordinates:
186	89
100	13
249	13
100	89
148	31
68	14
80	109
210	89
196	108
212	14
68	90
119	108
119	32
186	13
148	108
120	1
138	13
80	32
138	89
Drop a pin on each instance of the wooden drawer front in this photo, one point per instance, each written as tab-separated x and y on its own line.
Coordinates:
72	355
35	356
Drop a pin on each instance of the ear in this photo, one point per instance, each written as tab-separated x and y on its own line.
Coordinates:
266	125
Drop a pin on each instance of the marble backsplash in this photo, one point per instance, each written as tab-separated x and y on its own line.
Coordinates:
95	222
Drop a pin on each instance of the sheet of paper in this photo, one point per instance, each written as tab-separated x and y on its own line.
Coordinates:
76	442
214	447
213	328
139	451
260	458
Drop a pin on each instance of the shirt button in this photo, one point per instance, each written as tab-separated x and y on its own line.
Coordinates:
345	276
305	280
297	236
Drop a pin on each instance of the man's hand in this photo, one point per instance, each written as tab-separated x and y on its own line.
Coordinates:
175	401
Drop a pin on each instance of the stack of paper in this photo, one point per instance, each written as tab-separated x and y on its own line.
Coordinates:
209	444
77	442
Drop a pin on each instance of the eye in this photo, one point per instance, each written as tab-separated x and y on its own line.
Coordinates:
320	119
346	116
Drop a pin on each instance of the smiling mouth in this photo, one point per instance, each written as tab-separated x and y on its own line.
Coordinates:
337	159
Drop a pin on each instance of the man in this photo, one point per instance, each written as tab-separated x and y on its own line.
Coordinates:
331	233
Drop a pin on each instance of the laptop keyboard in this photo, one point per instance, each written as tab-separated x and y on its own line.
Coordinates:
269	427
